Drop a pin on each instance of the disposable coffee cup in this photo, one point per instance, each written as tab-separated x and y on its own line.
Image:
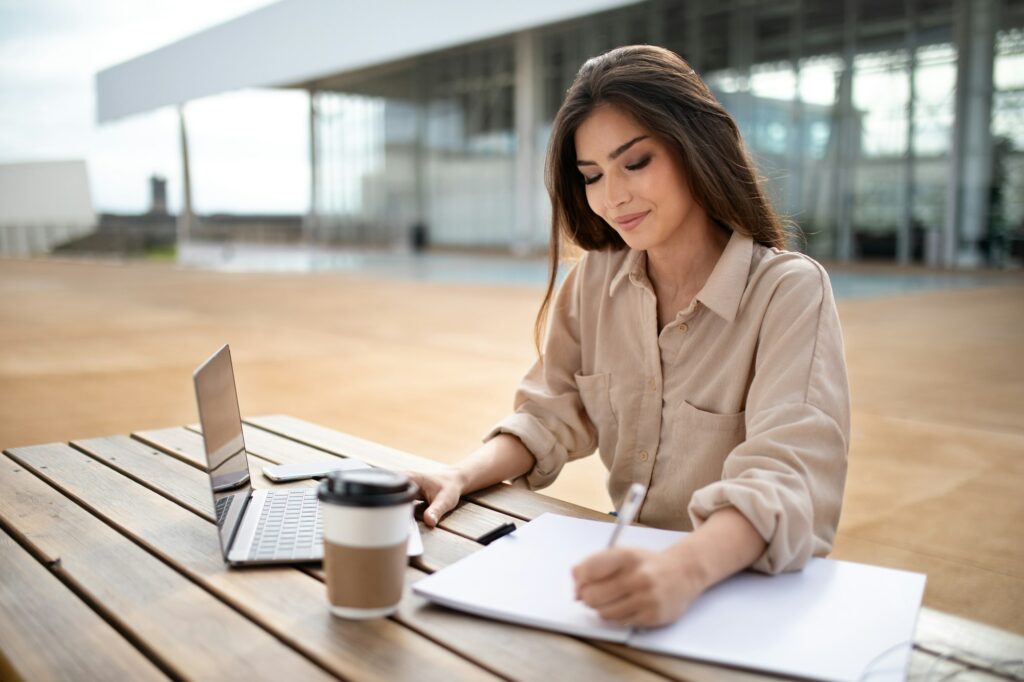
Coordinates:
366	515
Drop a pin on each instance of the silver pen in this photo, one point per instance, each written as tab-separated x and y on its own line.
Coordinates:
634	497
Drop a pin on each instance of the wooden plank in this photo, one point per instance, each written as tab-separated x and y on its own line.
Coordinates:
469	520
514	501
281	450
342	444
929	668
191	634
974	644
527	504
155	469
284	601
177	442
533	654
442	546
48	633
518	652
186	446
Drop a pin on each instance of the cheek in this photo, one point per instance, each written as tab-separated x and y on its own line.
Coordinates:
592	199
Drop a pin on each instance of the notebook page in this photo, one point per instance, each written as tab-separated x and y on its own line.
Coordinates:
834	620
525	578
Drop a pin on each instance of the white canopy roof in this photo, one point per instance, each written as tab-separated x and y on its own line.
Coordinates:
295	41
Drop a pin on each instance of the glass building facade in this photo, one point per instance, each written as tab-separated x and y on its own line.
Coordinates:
885	129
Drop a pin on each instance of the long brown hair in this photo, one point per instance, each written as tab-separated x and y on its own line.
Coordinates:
667	98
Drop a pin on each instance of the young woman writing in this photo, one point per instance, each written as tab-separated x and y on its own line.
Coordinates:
696	354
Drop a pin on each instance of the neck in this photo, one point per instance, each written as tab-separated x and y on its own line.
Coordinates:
683	265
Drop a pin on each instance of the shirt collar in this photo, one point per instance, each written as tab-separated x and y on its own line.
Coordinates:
724	288
634	266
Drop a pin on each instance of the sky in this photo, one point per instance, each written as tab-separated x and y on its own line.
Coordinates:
248	150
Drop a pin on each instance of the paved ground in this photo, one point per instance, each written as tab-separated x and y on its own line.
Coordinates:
937	458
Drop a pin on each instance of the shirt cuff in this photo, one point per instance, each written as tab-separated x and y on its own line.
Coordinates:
779	520
548	454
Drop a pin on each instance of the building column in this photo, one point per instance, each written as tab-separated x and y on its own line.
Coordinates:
310	224
185	215
797	124
904	237
527	114
848	147
970	171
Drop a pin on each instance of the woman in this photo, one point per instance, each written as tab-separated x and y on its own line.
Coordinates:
696	354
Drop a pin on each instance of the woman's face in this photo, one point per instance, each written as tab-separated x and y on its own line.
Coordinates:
633	181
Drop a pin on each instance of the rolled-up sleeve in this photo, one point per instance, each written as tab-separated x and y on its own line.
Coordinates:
787	476
549	416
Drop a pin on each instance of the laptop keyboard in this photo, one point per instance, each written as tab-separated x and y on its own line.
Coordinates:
222	509
289	526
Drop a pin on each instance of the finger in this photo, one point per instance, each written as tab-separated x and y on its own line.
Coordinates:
628	610
600	566
442	503
600	593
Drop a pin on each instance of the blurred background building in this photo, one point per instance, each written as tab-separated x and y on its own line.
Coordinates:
43	204
886	129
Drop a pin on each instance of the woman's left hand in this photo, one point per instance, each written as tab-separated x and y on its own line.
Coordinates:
635	586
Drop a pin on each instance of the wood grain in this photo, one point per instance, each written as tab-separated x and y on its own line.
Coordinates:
284	601
443	546
504	502
504	498
189	631
974	644
341	444
528	505
533	654
177	442
48	633
276	602
154	468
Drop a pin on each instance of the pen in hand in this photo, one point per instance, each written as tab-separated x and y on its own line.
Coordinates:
627	513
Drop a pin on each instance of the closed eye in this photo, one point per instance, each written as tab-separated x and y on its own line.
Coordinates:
591	179
639	164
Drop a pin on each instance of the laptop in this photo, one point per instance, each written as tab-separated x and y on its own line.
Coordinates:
256	526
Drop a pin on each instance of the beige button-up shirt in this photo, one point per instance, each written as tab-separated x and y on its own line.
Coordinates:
742	400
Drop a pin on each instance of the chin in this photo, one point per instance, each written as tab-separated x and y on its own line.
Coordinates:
637	242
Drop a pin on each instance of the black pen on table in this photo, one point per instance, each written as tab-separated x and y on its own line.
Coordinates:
499	532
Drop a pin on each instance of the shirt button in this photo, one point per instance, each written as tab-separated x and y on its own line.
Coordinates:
683	327
644	456
652	384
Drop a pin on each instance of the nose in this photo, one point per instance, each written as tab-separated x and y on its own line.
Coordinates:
616	193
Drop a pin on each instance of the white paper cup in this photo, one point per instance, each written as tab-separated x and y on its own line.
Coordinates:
366	515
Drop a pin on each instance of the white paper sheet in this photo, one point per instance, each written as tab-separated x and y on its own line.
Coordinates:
833	620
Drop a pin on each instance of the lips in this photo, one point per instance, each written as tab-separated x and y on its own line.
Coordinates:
629	221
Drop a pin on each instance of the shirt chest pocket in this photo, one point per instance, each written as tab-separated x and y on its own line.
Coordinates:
595	394
706	438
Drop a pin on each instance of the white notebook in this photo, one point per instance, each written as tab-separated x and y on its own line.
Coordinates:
834	620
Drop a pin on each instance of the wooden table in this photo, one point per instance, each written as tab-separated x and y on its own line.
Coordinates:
110	569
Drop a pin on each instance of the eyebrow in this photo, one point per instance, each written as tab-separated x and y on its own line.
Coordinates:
615	154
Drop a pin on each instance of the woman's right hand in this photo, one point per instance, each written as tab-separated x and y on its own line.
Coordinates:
441	489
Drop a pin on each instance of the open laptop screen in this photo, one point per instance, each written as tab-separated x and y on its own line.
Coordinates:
222	436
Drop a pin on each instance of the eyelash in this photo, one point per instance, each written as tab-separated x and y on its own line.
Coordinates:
634	167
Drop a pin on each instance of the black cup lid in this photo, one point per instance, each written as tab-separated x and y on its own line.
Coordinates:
367	488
